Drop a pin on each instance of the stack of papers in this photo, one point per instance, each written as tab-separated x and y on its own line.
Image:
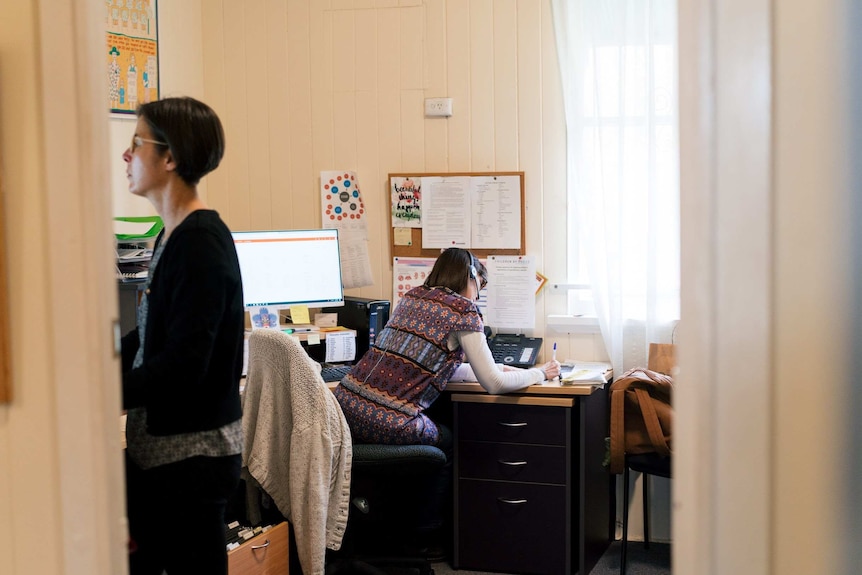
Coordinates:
584	373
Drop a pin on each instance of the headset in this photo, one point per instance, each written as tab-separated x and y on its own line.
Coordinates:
474	274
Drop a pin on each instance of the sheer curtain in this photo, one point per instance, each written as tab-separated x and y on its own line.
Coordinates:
618	60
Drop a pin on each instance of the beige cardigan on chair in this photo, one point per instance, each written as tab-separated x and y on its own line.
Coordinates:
297	444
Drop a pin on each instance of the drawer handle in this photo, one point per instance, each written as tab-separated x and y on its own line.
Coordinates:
512	463
520	424
264	546
512	501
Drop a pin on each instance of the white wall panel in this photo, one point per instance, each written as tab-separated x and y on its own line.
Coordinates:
236	113
505	86
214	79
481	109
458	78
340	84
278	126
299	104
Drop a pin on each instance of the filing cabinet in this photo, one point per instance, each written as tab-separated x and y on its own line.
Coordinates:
522	474
265	554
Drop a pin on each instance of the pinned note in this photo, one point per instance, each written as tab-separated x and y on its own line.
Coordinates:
340	346
299	314
403	236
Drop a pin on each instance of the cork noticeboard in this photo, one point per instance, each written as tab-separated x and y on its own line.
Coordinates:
415	234
5	359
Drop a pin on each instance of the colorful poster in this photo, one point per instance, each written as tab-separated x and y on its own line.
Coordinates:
406	202
132	53
342	208
408	273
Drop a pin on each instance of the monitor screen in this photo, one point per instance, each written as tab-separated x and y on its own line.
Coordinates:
290	267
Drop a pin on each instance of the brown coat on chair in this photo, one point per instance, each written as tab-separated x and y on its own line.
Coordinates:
641	415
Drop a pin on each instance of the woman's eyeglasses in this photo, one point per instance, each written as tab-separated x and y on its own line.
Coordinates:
138	141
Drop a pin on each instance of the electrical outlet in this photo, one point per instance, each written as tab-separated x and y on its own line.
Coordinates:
438	107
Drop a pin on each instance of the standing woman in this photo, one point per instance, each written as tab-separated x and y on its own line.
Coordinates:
182	364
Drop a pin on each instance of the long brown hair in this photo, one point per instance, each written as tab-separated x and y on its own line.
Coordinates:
454	268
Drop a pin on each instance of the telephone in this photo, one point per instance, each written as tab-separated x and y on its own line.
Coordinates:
516	350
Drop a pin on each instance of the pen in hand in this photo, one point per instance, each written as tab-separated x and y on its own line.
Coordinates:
554	356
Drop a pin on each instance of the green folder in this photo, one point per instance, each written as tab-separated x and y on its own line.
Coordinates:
146	233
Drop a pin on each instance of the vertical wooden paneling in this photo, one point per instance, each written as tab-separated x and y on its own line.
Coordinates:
367	151
546	218
436	130
236	99
344	90
365	46
300	133
278	115
373	189
412	49
388	43
343	51
506	72
413	129
321	109
311	85
258	63
529	128
344	136
213	48
458	80
481	108
412	94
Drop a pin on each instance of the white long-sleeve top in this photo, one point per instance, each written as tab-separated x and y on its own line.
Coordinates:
479	366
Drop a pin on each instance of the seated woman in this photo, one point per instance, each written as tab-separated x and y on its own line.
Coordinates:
433	328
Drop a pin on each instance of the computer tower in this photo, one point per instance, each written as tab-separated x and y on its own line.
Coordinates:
366	316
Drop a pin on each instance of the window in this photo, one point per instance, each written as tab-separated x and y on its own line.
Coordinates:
620	88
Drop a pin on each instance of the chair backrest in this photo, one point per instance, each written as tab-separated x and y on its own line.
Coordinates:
662	357
295	438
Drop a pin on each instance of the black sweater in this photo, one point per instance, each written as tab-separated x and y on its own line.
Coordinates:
189	379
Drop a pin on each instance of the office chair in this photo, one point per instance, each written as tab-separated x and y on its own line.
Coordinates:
662	359
388	485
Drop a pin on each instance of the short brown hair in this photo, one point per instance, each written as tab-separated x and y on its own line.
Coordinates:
191	130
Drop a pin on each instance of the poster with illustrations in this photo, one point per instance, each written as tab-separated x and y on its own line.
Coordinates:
406	195
132	54
342	208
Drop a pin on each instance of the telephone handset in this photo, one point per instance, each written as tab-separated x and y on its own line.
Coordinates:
516	350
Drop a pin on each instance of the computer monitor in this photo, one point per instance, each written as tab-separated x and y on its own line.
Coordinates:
290	267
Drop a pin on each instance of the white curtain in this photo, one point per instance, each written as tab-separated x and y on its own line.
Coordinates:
618	60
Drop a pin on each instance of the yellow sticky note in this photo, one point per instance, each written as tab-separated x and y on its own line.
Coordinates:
313	339
403	236
299	314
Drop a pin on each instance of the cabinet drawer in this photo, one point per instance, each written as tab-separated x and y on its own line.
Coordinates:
512	423
266	554
513	462
513	528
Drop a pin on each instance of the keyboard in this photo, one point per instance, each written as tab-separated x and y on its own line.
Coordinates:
334	372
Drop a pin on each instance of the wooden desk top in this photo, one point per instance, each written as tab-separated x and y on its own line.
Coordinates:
544	388
552	392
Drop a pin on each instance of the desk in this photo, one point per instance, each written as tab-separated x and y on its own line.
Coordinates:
531	495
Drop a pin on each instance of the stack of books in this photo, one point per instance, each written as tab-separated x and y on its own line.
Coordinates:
135	237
